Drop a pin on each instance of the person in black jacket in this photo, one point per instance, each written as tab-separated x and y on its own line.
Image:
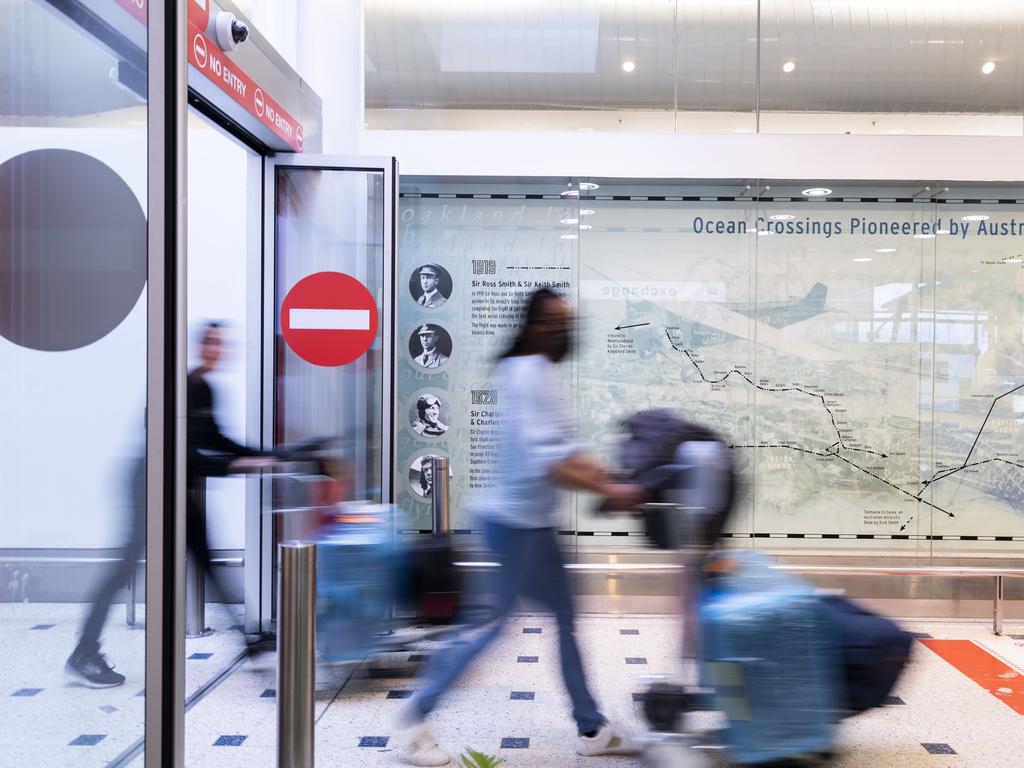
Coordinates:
209	452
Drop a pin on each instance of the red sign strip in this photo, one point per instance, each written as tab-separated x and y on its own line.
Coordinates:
136	8
1003	682
206	56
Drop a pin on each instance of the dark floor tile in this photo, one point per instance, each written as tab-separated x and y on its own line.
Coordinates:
636	660
528	659
532	630
269	693
88	740
510	742
939	749
229	740
373	741
399	694
27	692
200	656
522	695
893	701
629	631
44	626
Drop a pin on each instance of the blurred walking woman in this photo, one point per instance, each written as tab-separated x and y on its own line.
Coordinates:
534	456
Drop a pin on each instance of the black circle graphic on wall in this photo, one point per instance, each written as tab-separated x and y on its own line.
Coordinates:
72	250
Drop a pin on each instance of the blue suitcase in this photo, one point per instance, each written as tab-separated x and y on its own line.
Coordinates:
771	656
357	565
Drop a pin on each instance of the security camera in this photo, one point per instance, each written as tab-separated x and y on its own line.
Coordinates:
231	32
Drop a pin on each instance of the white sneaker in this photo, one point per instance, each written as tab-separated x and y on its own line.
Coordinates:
610	739
419	748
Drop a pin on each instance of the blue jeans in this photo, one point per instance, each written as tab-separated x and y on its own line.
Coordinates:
531	566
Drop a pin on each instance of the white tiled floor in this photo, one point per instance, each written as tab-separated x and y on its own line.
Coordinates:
39	729
942	706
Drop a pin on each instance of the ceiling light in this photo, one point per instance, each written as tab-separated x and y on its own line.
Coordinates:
788	67
1012	261
570	237
751	230
924	236
585	226
588	185
586	212
885	250
782	217
817	192
571	193
941	231
862	259
988	67
764	232
570	221
974	217
628	66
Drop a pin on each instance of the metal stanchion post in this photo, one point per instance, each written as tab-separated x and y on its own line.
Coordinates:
130	598
439	498
997	607
195	579
296	644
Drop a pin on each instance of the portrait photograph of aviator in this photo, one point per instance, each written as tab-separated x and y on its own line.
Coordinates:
421	476
430	346
430	285
429	416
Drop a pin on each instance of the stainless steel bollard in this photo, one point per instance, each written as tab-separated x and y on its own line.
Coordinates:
439	498
131	598
195	580
997	606
296	648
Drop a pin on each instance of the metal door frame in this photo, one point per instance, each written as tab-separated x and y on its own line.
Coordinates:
260	533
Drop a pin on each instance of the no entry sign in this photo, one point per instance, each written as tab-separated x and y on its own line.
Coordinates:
329	319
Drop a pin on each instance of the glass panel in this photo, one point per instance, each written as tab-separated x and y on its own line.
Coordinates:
329	221
73	173
892	67
849	344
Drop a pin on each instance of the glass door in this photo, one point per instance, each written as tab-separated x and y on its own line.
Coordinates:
330	225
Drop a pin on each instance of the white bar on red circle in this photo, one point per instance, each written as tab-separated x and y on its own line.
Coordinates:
329	319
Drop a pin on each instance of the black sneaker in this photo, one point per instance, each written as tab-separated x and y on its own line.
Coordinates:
92	670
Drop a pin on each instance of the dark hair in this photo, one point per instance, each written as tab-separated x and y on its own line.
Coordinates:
205	328
525	342
423	403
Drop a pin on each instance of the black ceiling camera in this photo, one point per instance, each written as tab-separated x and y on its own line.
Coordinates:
239	32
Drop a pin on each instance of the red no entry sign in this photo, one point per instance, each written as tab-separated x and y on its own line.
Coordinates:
329	318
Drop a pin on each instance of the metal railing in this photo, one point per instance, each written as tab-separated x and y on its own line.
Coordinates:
998	575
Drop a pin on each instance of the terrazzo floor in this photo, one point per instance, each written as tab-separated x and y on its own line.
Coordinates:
511	702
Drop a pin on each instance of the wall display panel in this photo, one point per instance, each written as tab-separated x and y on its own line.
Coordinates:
861	353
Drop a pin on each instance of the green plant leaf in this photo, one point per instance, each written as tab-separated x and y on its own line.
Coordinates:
473	759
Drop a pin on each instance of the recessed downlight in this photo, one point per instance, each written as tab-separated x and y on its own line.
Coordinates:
885	250
764	232
941	231
817	192
924	236
751	230
586	212
588	185
782	217
571	193
862	259
788	67
628	66
988	67
974	217
570	237
570	221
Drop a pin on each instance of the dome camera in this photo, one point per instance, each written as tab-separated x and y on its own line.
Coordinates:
231	32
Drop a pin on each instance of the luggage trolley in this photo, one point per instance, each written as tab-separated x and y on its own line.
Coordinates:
761	643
